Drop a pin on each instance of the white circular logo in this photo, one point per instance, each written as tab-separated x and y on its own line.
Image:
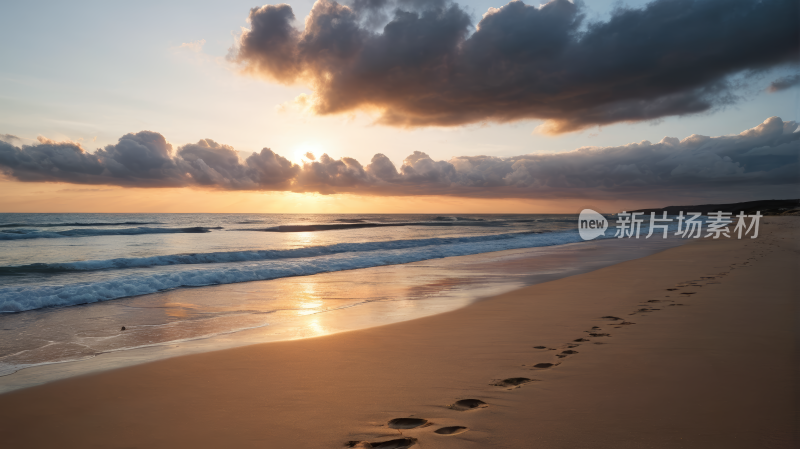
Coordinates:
591	224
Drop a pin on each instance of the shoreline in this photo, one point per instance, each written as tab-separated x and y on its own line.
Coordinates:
393	293
714	372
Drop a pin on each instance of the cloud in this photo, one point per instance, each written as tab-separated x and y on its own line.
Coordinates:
761	159
146	159
195	46
429	66
786	82
9	138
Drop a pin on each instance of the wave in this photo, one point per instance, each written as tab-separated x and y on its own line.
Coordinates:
244	256
341	226
23	234
350	220
58	225
21	298
458	219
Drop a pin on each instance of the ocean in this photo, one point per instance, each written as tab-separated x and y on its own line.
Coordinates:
70	282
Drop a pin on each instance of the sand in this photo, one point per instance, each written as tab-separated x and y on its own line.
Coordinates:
708	360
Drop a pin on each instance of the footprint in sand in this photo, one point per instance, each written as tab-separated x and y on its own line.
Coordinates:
581	339
540	347
566	353
408	423
400	443
544	365
688	293
599	335
512	382
468	404
452	430
613	318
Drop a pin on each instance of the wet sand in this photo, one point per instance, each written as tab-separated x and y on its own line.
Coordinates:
704	354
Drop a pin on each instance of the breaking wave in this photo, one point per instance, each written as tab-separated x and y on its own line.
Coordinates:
250	268
244	256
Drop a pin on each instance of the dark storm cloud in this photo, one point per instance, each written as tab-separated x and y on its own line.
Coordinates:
787	82
426	66
50	161
8	138
146	159
376	13
763	159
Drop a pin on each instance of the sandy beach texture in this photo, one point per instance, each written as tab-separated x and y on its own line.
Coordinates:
698	350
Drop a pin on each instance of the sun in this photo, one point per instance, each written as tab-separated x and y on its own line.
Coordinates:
306	152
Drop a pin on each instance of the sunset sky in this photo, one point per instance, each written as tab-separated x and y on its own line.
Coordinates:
472	106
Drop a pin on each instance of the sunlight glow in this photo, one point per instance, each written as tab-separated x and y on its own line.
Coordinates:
32	197
301	154
308	301
316	327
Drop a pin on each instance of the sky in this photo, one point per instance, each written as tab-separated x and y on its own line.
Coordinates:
475	106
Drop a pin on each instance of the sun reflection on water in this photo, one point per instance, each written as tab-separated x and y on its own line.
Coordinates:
303	239
309	308
178	310
308	299
315	328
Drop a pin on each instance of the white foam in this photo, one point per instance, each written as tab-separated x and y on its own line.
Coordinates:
246	256
26	297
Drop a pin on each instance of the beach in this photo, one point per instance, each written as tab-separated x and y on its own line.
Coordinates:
400	224
695	346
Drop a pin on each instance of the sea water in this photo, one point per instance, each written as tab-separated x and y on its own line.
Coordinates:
70	282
